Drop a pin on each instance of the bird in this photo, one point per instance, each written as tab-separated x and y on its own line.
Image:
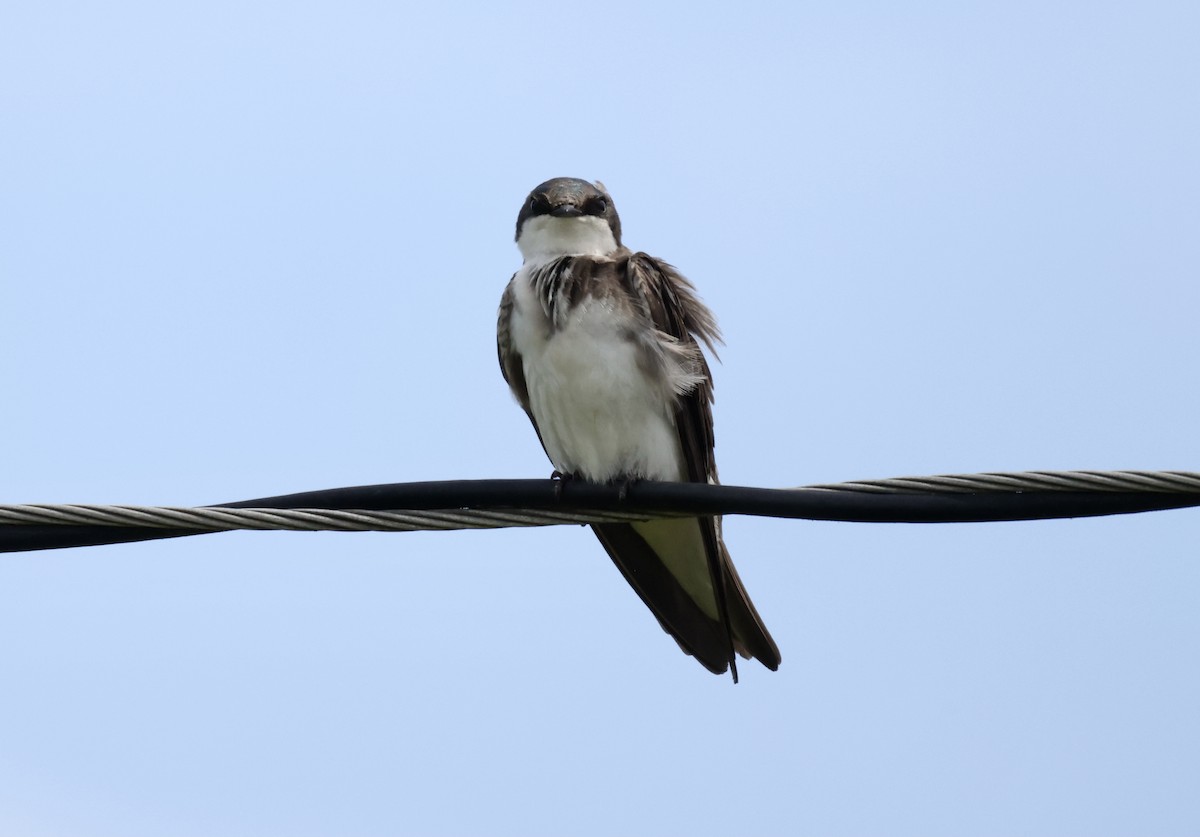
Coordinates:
601	347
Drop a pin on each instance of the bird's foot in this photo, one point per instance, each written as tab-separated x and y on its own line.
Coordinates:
560	480
623	486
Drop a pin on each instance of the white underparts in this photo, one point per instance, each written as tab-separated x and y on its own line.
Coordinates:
545	237
599	413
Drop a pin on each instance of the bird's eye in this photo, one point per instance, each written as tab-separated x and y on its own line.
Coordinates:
598	206
538	204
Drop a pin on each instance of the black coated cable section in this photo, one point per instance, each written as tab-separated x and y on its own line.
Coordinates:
951	499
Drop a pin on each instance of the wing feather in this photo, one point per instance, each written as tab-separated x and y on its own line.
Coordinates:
512	367
675	309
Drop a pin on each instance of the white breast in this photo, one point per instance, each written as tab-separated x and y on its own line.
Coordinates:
545	237
599	413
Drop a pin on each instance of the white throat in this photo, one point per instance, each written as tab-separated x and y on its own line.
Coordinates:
544	238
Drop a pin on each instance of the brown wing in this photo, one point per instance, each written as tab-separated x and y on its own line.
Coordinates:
511	365
672	305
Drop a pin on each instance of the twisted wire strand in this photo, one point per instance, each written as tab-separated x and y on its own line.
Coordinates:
209	519
1159	482
782	503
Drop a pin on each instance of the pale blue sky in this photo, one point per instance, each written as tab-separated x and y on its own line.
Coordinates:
249	249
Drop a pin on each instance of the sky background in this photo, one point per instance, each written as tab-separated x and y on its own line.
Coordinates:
248	249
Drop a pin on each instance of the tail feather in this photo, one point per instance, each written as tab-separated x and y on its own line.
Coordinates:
679	615
698	633
750	635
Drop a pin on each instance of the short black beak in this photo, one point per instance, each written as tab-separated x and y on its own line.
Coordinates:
566	210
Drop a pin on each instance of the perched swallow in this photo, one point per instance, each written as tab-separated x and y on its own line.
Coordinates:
599	346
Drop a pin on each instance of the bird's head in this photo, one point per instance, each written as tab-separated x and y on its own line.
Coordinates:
567	216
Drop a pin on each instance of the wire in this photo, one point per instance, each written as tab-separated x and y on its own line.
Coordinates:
475	504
